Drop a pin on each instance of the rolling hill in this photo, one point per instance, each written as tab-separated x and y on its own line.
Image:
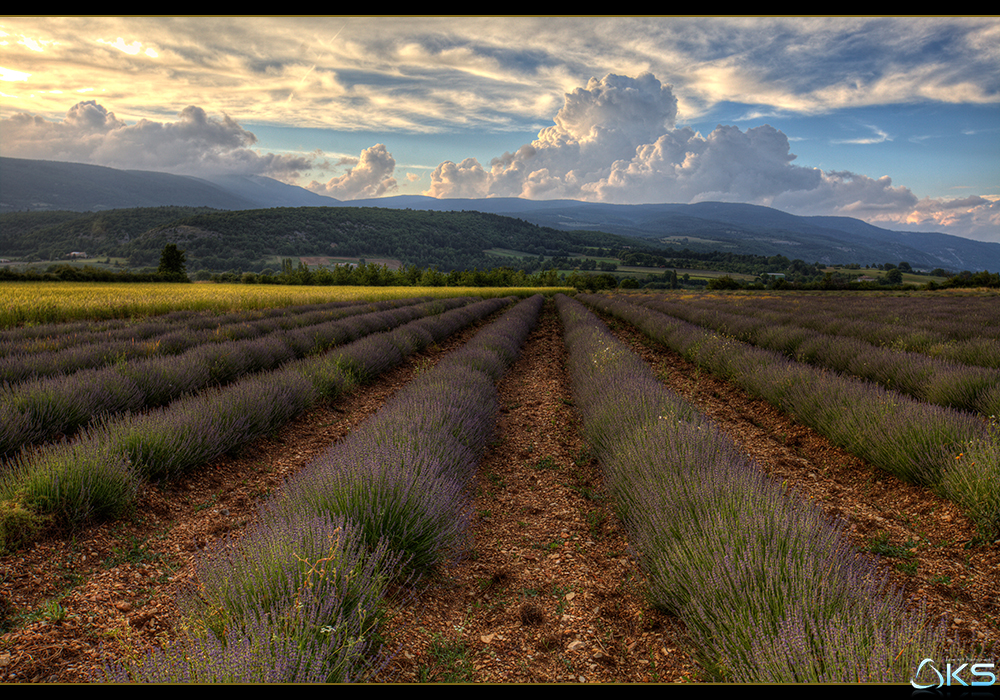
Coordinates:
50	186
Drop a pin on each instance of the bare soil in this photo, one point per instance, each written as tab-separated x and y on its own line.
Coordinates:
548	593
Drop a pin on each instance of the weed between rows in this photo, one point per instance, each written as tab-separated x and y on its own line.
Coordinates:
451	662
880	545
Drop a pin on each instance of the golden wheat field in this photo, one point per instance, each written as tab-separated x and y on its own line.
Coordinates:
47	302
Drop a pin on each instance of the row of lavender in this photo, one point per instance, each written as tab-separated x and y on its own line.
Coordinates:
98	475
47	337
769	590
37	411
952	451
935	380
959	327
31	352
298	598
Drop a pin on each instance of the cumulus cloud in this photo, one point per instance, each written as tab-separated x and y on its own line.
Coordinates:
195	143
879	202
596	126
371	175
616	141
976	217
849	194
465	179
728	165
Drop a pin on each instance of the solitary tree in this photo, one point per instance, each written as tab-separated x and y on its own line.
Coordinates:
172	261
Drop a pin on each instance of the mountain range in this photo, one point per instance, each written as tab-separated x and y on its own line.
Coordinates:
34	185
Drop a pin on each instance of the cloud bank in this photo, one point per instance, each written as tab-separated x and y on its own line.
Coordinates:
193	144
615	141
434	74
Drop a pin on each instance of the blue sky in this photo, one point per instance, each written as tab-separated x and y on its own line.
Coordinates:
894	120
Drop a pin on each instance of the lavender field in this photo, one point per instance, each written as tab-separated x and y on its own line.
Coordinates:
350	517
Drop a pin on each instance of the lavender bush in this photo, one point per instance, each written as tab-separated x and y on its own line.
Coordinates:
973	481
76	483
744	563
42	409
314	579
302	590
403	477
165	442
868	350
70	347
914	440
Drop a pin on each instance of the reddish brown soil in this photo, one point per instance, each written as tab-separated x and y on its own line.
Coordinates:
549	593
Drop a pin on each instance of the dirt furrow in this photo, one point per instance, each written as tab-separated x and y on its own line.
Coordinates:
550	593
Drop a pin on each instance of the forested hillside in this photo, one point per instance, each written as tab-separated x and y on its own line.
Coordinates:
253	239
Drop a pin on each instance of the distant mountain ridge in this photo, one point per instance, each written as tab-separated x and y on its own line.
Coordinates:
36	185
739	228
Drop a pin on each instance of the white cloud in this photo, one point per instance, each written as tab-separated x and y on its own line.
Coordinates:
13	75
371	175
976	217
467	179
195	143
596	126
880	136
615	141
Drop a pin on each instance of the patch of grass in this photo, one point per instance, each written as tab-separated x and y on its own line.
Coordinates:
552	546
54	611
595	522
880	545
132	550
51	611
496	480
584	457
451	662
563	594
546	463
908	567
590	494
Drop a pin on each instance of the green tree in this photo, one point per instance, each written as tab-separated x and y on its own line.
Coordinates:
172	261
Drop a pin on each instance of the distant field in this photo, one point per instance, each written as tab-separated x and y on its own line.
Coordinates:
323	261
47	302
908	277
696	274
101	262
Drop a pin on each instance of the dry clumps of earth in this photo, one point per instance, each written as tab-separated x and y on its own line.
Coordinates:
548	591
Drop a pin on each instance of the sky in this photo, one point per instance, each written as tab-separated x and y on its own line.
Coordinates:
892	120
